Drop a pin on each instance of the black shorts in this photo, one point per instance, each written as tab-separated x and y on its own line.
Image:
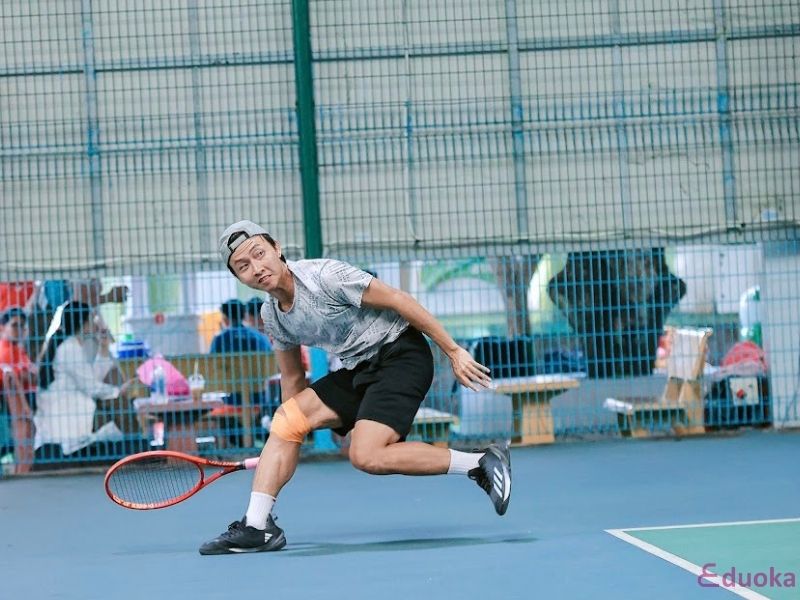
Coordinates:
388	388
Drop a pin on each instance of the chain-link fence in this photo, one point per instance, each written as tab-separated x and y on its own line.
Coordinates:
582	192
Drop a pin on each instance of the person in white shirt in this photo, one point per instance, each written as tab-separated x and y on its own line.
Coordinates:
70	383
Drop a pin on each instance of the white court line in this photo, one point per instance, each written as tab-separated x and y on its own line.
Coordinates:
684	564
766	521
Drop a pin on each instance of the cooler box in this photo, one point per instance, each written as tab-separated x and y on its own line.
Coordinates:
169	335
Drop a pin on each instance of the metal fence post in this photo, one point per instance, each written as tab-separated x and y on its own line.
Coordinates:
304	88
201	168
92	134
309	171
517	134
724	111
620	116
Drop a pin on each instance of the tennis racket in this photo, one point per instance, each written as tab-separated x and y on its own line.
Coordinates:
163	478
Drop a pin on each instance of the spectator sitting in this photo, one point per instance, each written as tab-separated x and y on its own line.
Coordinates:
18	385
70	384
252	315
252	319
236	337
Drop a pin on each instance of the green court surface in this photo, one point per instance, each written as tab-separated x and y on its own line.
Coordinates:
753	559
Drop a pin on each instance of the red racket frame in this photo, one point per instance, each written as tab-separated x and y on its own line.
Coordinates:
203	481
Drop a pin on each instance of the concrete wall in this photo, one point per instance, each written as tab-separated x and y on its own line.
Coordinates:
133	134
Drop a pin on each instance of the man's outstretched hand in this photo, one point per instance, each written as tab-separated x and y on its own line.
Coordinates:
468	371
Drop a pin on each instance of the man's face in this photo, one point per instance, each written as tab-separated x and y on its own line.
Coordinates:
257	264
15	330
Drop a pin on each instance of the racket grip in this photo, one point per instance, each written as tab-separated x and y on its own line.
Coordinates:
251	463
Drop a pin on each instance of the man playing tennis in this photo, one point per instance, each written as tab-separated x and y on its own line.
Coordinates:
375	330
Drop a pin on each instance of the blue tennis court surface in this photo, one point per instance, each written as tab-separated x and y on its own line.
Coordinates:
353	535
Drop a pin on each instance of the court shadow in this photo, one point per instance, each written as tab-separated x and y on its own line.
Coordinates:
331	548
326	549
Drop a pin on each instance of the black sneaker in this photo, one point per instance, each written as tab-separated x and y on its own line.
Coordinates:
241	538
494	475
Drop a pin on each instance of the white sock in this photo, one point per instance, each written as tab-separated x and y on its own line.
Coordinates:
258	510
463	462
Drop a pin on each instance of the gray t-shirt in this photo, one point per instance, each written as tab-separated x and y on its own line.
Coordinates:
327	313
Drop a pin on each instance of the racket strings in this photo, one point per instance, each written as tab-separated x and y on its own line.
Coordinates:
153	481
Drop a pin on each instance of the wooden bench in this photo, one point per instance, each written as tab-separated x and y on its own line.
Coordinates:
533	417
641	417
244	372
680	407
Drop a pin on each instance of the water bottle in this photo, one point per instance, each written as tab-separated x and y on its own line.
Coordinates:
750	315
158	386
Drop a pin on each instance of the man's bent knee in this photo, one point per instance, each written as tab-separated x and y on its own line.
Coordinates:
289	423
366	459
369	439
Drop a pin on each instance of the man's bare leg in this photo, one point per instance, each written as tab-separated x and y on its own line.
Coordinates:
257	532
279	458
376	448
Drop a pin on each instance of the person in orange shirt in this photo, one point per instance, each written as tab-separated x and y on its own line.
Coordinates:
19	380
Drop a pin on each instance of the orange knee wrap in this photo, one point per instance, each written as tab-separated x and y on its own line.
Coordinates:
290	423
